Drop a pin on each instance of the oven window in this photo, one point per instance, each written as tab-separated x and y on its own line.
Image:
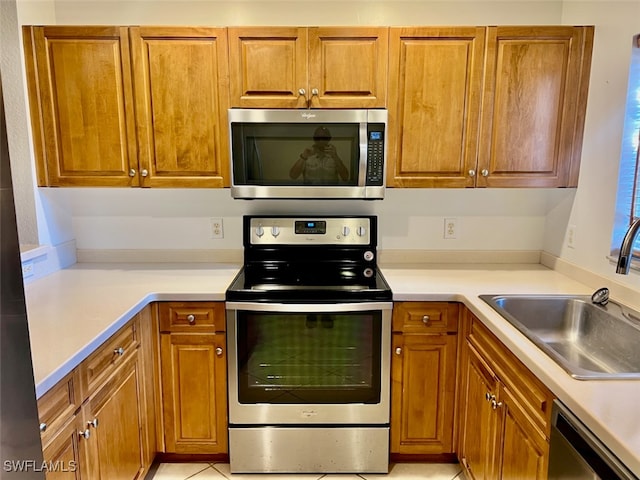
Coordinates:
309	358
276	154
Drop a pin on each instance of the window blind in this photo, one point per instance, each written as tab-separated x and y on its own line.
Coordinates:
628	199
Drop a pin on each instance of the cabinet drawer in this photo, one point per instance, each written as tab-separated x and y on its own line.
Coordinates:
425	317
101	363
58	405
534	397
206	317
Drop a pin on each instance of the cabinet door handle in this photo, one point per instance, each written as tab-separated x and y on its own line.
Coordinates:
302	92
191	318
472	173
219	351
485	172
144	172
43	427
314	92
426	319
93	423
495	405
398	351
119	351
489	396
85	434
132	172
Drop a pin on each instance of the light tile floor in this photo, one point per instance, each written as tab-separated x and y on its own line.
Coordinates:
220	471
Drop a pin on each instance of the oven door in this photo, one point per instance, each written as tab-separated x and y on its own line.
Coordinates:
309	363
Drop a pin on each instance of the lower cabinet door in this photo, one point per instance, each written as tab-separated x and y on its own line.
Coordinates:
194	392
525	450
423	393
64	454
478	419
113	422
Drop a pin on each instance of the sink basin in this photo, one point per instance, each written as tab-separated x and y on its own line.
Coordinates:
588	340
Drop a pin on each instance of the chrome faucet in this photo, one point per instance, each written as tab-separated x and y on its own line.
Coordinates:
624	257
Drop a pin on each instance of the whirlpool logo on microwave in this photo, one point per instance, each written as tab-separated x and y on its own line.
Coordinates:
308	115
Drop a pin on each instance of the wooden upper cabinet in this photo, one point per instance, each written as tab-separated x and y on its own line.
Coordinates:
534	104
268	67
316	67
81	105
181	83
435	81
348	67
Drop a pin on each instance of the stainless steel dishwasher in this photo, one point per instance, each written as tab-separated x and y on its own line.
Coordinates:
577	454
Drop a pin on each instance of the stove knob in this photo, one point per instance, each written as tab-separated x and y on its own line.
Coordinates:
259	231
345	231
275	231
368	255
361	231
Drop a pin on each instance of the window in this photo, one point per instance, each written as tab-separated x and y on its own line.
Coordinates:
628	201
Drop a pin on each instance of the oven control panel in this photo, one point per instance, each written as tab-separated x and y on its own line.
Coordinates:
310	231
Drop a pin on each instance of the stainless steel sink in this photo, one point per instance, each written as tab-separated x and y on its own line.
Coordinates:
588	340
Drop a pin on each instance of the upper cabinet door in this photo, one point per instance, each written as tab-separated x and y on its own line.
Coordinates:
81	105
268	67
533	108
181	83
435	81
348	67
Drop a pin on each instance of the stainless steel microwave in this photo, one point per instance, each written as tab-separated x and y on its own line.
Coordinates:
339	154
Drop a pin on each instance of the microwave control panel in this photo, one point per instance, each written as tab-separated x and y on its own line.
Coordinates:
375	154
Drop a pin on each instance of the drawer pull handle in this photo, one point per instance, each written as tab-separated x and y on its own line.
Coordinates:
426	319
119	351
85	434
398	351
191	318
43	427
219	351
93	423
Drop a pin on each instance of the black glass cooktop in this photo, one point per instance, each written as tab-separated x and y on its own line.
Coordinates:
309	283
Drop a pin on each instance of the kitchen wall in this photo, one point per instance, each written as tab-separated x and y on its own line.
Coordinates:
489	220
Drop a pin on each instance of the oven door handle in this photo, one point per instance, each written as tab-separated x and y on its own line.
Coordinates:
309	307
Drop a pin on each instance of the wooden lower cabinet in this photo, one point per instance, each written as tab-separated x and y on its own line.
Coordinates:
505	412
524	448
114	422
478	434
99	427
423	373
194	392
194	377
65	452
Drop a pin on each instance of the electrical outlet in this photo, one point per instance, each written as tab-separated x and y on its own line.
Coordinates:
450	228
27	269
217	230
571	236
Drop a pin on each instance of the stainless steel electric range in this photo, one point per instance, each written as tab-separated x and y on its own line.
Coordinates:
309	344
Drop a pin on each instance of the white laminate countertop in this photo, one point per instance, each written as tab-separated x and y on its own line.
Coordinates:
71	312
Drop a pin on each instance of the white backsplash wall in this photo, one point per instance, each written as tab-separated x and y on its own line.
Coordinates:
410	219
